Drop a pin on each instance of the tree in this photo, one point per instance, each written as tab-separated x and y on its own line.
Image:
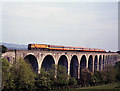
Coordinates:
118	52
72	81
108	74
56	77
117	67
3	48
94	80
43	80
7	79
99	77
86	77
43	83
20	76
25	76
62	76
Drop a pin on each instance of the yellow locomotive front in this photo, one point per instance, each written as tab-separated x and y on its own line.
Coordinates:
37	46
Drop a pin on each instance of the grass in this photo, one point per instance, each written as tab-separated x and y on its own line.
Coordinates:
108	87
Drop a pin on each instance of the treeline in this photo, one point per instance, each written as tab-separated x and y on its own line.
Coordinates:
20	76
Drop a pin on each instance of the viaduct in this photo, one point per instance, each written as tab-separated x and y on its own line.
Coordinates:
73	61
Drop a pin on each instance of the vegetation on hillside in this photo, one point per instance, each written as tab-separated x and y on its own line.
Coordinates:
20	76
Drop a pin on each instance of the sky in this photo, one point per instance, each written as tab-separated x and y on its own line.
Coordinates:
81	24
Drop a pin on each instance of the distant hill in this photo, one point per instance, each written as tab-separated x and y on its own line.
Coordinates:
14	46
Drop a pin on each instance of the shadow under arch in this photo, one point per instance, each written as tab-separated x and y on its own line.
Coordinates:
33	61
90	63
95	63
100	62
103	62
63	61
74	67
48	62
83	62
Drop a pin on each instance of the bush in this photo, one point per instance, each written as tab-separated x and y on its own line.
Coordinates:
86	77
99	77
43	83
43	80
108	74
72	81
94	80
49	80
117	67
62	76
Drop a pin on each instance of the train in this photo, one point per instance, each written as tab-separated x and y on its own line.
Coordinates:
62	48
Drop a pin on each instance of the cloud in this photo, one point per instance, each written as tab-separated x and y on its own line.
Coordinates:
76	24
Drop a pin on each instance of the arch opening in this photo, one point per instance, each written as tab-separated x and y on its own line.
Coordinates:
74	67
103	62
95	63
64	62
8	58
48	63
100	61
90	63
33	61
114	59
83	62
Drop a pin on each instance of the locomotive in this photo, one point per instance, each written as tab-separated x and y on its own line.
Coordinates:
62	48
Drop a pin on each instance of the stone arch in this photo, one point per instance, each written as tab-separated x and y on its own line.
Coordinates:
63	61
48	62
74	67
83	63
95	63
33	61
90	63
100	62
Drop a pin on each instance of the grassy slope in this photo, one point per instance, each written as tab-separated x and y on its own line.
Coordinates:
108	87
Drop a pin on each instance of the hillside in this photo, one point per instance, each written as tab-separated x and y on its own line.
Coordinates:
14	46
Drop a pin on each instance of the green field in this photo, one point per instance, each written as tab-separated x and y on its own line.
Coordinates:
108	87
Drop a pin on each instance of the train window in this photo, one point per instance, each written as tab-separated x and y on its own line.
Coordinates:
29	45
66	47
55	47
